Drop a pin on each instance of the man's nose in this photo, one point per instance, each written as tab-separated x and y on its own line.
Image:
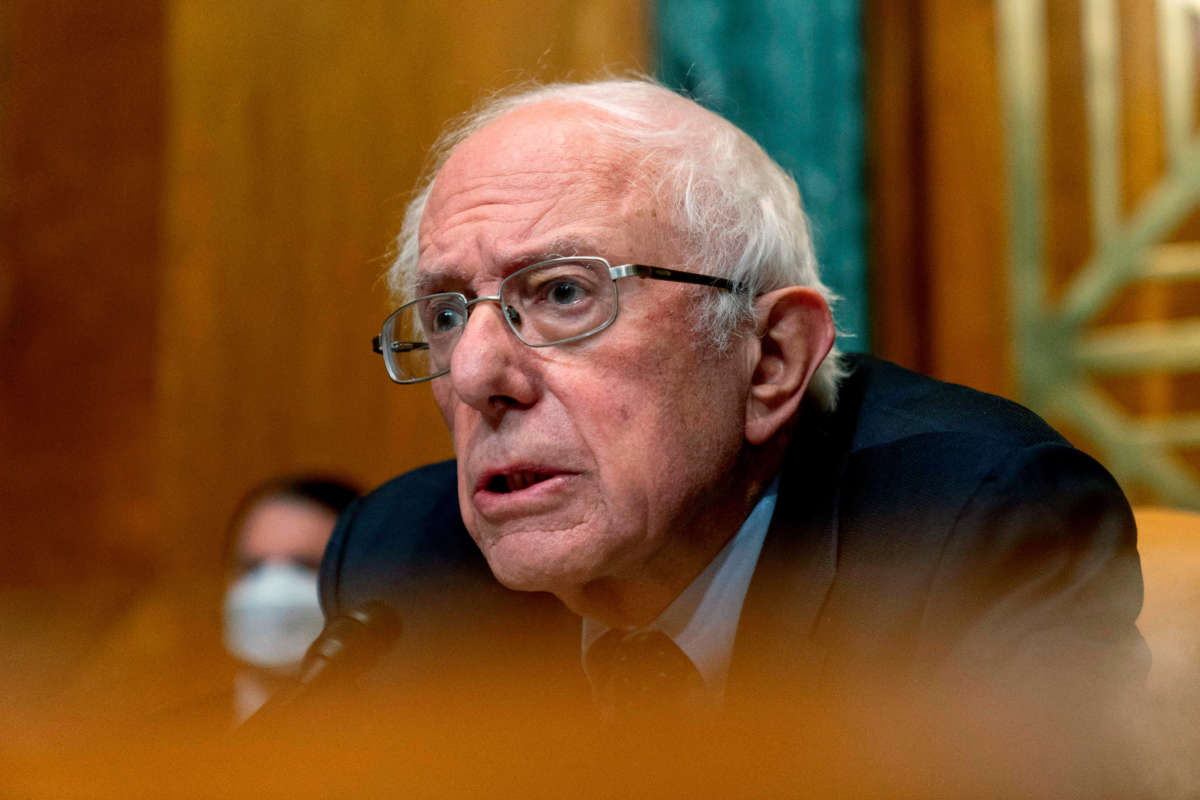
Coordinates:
489	367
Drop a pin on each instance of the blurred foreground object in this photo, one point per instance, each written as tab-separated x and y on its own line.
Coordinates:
1169	543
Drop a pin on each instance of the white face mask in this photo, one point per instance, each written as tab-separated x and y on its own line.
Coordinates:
272	614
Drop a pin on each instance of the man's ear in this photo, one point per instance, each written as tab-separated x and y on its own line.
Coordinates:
795	332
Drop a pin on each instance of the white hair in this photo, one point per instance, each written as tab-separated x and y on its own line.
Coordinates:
737	212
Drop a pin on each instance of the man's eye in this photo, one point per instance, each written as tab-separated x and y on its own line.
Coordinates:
445	319
566	292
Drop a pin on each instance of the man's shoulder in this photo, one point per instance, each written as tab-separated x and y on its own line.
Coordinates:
416	512
889	404
936	465
400	535
918	448
424	489
946	504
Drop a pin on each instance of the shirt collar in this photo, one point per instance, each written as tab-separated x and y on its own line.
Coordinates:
703	619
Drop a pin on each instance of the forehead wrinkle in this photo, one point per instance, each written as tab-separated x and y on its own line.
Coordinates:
507	187
612	197
518	188
461	198
573	159
525	215
448	240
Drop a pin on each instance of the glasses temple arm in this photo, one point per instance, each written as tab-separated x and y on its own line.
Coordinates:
397	347
676	275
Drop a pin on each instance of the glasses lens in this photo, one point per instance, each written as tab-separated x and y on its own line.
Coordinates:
560	300
419	336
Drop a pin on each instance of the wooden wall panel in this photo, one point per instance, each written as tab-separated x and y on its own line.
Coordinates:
941	233
935	156
1068	182
81	116
1144	160
966	214
898	226
198	199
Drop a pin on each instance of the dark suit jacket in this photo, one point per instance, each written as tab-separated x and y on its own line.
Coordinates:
924	531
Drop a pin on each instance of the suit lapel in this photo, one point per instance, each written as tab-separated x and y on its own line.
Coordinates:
777	648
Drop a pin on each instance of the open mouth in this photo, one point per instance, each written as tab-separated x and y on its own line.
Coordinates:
515	481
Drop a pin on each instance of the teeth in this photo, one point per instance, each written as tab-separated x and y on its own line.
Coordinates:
515	481
521	480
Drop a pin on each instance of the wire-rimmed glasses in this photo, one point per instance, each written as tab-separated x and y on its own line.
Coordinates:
551	302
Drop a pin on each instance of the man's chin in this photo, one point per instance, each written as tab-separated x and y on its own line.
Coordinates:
534	576
537	568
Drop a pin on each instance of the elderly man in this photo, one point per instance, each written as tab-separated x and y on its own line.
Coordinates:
613	295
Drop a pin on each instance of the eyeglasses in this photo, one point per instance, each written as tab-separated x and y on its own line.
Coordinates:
551	302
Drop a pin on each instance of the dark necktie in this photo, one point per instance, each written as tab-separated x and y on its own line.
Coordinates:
643	672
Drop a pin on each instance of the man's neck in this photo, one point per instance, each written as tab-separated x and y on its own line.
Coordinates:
703	620
636	600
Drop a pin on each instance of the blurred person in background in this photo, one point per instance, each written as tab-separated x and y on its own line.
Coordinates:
271	613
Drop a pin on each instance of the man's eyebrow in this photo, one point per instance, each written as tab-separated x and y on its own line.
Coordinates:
455	279
565	246
443	280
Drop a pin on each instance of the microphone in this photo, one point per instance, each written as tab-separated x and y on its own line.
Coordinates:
350	643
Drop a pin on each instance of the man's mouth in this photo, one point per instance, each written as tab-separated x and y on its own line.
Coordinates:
517	491
508	482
